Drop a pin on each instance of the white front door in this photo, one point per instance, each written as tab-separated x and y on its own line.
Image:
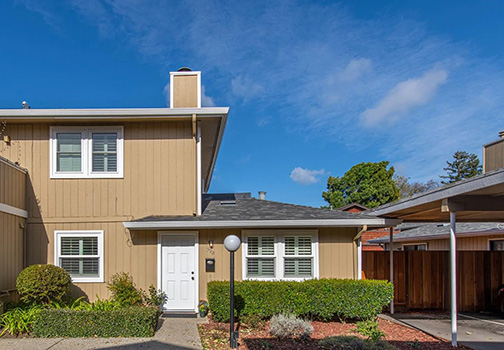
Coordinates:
178	271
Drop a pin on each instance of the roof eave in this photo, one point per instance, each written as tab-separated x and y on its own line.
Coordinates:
152	225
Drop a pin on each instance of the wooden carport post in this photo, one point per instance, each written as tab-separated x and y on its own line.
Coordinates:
453	277
391	247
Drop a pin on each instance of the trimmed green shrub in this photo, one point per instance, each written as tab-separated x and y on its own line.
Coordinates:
354	343
370	329
42	284
19	319
135	321
323	299
123	289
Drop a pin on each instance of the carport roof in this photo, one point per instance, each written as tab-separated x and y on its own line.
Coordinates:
477	199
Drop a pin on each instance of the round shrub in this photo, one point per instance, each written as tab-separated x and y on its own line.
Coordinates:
41	284
123	289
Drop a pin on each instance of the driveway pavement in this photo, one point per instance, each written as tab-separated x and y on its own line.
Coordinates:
478	331
172	334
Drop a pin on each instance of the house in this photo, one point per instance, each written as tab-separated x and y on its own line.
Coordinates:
474	236
111	190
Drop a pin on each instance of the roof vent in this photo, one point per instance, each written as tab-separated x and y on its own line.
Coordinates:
184	69
501	134
228	203
262	195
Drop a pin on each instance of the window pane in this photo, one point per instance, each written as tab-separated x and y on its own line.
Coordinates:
261	267
80	266
90	246
497	245
70	246
298	246
68	152
261	246
298	267
104	152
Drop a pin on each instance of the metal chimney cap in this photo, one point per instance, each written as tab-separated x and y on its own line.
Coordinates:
184	69
262	195
501	134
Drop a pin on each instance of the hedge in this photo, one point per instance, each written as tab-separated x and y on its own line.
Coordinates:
133	321
322	299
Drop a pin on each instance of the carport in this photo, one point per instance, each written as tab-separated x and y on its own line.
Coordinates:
478	199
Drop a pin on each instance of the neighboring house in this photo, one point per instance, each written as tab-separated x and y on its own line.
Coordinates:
111	190
436	236
370	234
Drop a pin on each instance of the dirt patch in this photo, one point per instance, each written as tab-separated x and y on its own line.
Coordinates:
216	336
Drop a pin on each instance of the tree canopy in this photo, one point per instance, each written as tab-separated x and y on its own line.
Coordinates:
369	184
463	166
408	189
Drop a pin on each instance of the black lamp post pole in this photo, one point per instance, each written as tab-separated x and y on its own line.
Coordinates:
232	336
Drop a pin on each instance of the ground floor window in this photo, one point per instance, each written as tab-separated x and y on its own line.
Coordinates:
497	245
413	247
280	254
81	254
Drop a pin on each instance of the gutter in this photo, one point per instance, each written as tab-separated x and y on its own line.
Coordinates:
142	225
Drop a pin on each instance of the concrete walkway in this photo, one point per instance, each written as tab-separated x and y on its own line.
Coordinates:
478	331
172	334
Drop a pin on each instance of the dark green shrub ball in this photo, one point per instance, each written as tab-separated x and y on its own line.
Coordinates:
41	284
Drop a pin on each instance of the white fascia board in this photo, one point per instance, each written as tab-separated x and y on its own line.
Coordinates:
222	128
141	225
8	209
111	113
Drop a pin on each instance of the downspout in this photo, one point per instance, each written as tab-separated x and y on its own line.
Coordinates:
195	152
359	250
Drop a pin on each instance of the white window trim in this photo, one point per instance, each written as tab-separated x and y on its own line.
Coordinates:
279	256
86	152
96	233
407	244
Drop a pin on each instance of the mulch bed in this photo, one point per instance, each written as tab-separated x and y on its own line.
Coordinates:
215	336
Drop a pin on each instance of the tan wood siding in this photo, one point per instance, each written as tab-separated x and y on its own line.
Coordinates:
338	252
463	243
12	186
159	167
11	250
493	156
185	91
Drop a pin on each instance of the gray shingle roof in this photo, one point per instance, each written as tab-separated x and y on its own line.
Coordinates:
436	230
230	207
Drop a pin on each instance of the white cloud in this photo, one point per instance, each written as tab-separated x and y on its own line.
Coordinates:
355	69
306	176
405	96
245	88
206	101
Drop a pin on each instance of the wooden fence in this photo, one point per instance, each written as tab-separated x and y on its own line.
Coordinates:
422	278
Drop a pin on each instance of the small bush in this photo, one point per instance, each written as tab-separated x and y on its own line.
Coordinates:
354	343
135	321
288	326
154	297
253	321
123	289
370	328
42	284
19	319
323	299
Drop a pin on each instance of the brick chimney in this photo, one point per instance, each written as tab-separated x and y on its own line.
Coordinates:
185	89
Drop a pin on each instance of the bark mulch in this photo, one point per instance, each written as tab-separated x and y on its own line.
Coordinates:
215	336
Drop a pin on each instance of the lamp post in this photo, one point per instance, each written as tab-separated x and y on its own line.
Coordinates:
232	243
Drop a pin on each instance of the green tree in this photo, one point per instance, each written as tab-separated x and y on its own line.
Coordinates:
369	184
408	189
464	166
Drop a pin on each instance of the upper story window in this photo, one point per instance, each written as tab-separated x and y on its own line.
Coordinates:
87	152
414	247
497	245
280	254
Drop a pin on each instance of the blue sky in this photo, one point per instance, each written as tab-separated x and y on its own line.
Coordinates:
314	86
